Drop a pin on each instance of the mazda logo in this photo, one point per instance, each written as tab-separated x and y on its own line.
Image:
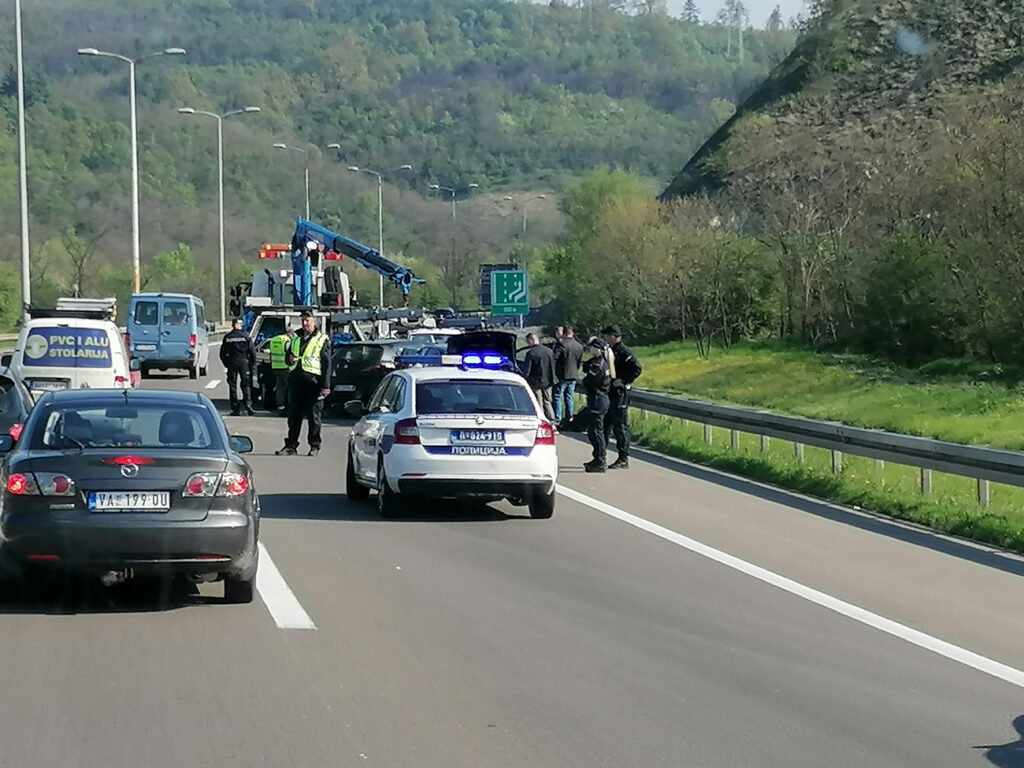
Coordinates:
129	470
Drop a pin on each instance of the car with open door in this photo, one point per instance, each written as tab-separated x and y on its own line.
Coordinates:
123	483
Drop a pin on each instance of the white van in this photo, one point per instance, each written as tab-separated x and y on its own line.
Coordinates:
59	352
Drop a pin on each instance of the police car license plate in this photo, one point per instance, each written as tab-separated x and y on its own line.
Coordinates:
130	501
478	437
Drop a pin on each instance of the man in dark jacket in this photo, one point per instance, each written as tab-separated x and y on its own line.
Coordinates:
539	372
627	370
308	385
239	358
568	359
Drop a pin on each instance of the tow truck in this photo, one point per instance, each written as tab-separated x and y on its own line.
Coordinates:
274	300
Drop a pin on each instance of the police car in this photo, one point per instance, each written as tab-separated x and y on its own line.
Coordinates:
455	430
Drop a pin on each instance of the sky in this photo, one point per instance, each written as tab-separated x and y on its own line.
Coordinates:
759	10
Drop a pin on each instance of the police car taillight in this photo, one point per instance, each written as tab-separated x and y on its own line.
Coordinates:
407	432
545	434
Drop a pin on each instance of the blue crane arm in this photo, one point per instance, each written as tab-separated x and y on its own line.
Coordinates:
369	257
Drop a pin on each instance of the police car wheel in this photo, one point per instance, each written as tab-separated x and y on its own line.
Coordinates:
389	503
542	506
354	490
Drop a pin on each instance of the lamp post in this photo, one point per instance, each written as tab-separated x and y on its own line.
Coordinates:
26	283
380	206
135	141
220	185
524	202
451	190
305	154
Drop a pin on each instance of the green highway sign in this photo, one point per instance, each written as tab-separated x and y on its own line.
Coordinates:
510	292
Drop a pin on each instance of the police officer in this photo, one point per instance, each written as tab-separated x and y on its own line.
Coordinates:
238	357
627	370
598	371
308	385
280	369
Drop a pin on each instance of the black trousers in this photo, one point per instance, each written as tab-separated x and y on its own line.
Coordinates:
616	423
304	403
238	373
597	409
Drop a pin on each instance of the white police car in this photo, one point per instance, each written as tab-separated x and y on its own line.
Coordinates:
453	432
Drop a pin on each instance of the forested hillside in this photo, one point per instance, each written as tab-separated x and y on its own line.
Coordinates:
869	195
508	95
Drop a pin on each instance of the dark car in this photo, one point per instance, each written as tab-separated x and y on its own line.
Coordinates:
501	343
16	403
115	483
357	369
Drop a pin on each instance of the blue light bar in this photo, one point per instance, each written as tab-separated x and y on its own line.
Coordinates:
471	360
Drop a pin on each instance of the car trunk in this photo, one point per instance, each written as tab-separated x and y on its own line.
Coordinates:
499	342
475	436
157	470
358	368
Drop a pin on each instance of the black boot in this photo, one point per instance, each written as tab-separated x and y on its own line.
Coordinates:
595	465
620	463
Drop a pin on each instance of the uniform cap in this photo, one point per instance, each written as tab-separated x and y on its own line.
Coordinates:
612	330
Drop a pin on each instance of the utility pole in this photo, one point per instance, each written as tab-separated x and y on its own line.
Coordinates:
26	282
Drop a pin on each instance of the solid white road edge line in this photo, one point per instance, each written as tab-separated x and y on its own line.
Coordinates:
278	596
942	648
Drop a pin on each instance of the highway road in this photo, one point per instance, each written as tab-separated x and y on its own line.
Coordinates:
666	616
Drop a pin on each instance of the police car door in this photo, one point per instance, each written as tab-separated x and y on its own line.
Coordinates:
369	431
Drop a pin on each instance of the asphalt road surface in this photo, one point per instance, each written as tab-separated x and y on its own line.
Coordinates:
666	616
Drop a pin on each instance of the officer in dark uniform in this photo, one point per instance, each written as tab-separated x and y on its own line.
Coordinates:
627	370
239	358
308	385
597	380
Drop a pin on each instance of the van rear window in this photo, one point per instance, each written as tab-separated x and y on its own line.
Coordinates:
147	313
56	347
175	313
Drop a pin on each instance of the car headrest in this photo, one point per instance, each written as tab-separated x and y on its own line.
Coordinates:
177	428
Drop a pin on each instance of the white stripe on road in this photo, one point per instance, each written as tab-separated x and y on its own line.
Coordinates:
890	627
212	384
278	596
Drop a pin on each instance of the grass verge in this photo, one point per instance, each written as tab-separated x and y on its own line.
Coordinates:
887	488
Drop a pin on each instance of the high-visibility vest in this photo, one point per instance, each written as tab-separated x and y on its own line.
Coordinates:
278	347
309	361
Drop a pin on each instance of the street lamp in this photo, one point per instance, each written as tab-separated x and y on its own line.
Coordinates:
135	140
380	206
26	283
451	190
527	200
220	184
305	153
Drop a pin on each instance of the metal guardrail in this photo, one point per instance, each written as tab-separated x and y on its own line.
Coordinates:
977	462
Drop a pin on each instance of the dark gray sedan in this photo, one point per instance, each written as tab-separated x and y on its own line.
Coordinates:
119	483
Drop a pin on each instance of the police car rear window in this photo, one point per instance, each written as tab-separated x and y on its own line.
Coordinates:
466	396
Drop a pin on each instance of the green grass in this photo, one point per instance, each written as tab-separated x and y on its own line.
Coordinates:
948	400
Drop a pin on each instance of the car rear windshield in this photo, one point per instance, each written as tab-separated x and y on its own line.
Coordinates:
472	396
147	313
71	426
175	313
362	354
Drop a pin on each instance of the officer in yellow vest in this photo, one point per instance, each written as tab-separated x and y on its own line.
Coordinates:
280	369
308	385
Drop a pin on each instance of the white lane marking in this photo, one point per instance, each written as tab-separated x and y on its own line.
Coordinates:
941	647
278	596
212	384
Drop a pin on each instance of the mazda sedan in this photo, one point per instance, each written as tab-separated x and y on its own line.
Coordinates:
117	483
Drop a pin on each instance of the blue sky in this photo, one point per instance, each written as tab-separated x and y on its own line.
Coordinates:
760	10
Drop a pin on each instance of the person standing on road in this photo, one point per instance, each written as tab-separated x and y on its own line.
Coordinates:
539	372
568	359
627	370
239	358
280	369
308	385
598	372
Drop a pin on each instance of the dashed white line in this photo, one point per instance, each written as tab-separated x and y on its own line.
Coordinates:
288	613
212	384
942	648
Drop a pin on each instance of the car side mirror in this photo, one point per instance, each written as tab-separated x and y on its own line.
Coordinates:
354	409
7	359
135	364
6	443
241	444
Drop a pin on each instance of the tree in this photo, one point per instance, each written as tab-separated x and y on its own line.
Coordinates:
80	242
691	13
775	20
